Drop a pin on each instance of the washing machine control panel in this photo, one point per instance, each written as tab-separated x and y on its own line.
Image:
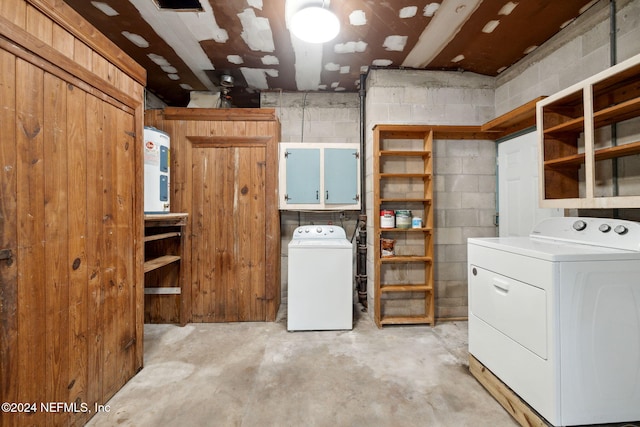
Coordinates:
612	233
319	232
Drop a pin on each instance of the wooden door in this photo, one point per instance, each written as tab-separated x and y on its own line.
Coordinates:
228	238
68	307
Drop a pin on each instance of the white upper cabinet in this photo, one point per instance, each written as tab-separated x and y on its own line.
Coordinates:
319	176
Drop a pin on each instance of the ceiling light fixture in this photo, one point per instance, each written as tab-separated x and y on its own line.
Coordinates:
315	24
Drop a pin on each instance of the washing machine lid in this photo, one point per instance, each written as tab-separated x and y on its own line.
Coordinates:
320	244
554	250
325	232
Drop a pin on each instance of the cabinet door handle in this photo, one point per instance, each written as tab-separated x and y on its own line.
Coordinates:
317	194
327	195
501	286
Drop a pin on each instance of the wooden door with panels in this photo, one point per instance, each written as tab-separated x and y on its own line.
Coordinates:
228	239
224	166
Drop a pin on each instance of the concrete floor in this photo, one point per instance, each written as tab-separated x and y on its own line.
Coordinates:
258	374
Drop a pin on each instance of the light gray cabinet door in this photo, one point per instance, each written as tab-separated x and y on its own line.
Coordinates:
340	176
303	175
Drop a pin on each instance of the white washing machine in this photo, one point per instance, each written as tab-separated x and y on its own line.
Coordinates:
320	279
556	316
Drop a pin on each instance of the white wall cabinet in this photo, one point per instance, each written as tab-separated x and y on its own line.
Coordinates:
577	143
319	176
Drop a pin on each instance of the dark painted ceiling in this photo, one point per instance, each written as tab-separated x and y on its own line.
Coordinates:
249	39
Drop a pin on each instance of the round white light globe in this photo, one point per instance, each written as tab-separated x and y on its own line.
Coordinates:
315	25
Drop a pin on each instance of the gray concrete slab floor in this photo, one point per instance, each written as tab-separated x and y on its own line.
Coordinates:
258	374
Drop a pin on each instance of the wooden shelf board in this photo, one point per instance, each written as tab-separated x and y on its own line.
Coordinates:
621	79
161	236
577	160
156	263
518	119
406	320
405	153
170	219
402	230
405	288
401	258
405	175
617	113
402	199
439	132
163	291
607	116
618	151
568	126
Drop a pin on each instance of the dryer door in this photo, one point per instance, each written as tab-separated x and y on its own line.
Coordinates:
514	308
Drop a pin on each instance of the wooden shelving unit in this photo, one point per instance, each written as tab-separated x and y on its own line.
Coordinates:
166	297
395	303
572	152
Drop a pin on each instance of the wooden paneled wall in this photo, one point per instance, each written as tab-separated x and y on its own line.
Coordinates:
70	214
224	168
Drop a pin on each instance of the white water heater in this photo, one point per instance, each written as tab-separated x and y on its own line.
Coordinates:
156	171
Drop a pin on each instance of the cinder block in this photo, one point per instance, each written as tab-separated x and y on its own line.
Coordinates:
448	165
451	271
461	148
462	218
468	232
455	289
479	165
448	200
466	183
478	200
448	236
428	114
455	253
399	113
486	183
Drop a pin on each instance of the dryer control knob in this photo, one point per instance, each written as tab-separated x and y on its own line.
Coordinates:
621	229
605	228
579	225
319	229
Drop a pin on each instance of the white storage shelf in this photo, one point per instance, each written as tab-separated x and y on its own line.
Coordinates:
576	148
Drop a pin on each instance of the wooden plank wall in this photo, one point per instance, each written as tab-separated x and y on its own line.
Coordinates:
70	213
224	174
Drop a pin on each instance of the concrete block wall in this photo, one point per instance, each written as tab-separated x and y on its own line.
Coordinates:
580	50
464	182
314	117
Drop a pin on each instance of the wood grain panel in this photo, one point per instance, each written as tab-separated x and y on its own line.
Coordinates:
258	251
77	260
56	230
62	41
31	236
108	256
14	11
94	251
199	257
38	25
126	309
8	230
